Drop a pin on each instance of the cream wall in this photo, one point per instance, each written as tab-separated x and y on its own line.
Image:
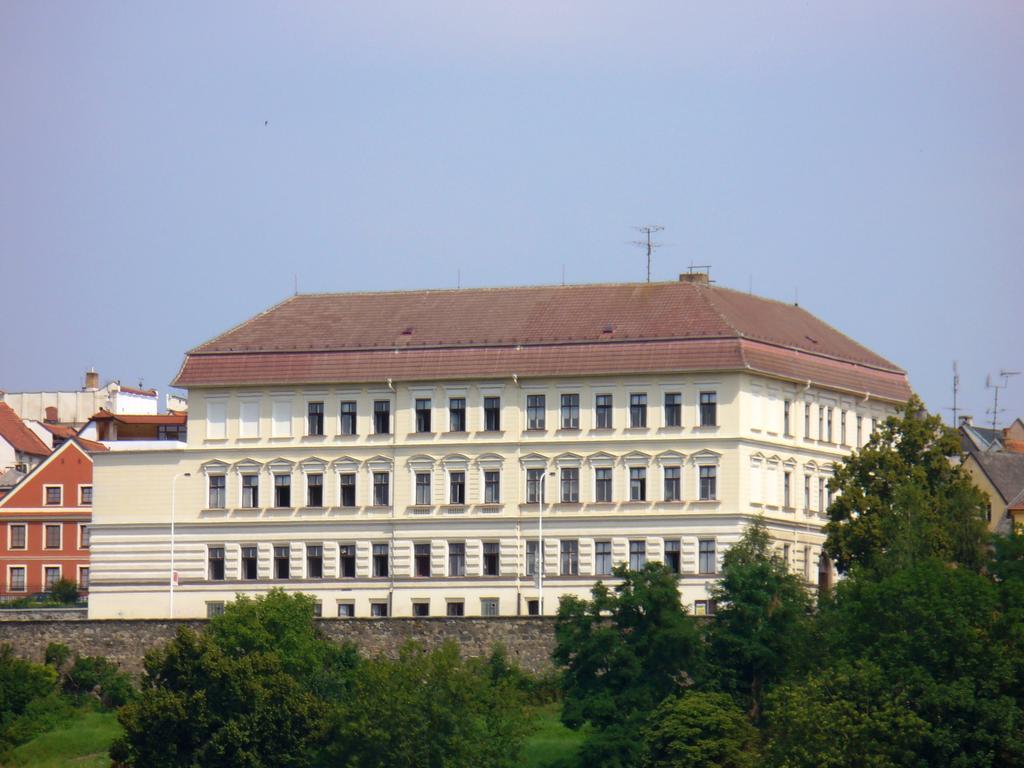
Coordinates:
130	534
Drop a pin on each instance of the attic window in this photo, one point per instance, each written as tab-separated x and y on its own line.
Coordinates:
607	328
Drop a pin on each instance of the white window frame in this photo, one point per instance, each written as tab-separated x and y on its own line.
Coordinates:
491	462
81	489
59	487
82	528
15	566
60	537
78	581
10	527
60	573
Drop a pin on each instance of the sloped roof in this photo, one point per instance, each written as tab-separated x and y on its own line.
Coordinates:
1005	470
134	418
535	331
21	438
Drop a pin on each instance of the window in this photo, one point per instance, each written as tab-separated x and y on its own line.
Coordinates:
347	561
379	610
421	610
488	606
422	489
828	424
456	487
570	411
214	608
314	561
18	536
84	535
708	483
638	410
282	562
603	484
673	409
381	489
821	422
807	563
492	414
314	490
534	486
860	430
842	427
83	577
456	559
348	489
215	564
570	485
673	555
282	418
708	409
672	485
421	560
704	608
570	557
638	483
249	418
282	491
348	417
828	495
51	575
637	555
382	417
821	494
85	496
249	561
533	607
318	609
706	556
380	561
53	536
17	578
172	432
602	558
216	420
457	414
535	412
824	573
492	487
315	419
603	411
532	548
346	610
54	495
786	407
422	414
786	479
807	420
250	491
218	491
807	492
492	558
785	555
456	608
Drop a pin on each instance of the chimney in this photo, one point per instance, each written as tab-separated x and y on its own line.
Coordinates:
92	379
51	415
694	278
966	421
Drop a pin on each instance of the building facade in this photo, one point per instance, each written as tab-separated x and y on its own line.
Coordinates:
431	452
44	525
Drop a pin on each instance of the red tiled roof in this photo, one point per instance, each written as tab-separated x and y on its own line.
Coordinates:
134	391
537	331
21	438
60	430
151	418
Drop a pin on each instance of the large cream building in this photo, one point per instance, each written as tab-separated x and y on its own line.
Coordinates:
418	453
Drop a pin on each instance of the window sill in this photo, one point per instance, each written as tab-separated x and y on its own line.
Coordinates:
568	430
535	431
420	435
706	428
602	430
635	430
320	508
674	429
314	438
456	433
492	432
706	501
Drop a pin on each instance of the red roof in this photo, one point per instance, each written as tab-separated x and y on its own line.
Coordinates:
149	418
134	391
535	331
21	438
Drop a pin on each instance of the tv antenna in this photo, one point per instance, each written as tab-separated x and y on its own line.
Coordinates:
650	245
956	391
996	410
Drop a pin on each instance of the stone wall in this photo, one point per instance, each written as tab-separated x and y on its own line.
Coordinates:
529	641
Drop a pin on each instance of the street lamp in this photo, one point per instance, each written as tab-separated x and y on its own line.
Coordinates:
171	579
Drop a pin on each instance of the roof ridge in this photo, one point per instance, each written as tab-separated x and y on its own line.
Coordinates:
482	288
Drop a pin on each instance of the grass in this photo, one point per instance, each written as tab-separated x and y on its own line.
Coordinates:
81	743
551	745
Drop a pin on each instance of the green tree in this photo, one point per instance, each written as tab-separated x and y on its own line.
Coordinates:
700	730
624	652
64	591
762	626
901	499
427	709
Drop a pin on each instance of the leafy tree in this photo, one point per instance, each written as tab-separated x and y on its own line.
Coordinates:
901	499
624	652
762	625
96	675
428	709
64	591
700	730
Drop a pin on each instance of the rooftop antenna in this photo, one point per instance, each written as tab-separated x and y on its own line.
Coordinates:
956	391
650	245
996	410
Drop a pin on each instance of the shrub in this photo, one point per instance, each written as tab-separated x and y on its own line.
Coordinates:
64	592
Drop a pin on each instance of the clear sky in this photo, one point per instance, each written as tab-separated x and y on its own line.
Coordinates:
167	169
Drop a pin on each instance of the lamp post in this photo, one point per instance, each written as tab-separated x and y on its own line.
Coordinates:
170	578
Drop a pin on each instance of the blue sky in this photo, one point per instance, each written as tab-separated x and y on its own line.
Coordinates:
166	170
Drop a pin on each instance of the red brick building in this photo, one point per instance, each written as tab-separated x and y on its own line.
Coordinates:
44	533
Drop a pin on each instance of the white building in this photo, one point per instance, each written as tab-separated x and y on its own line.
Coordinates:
384	451
76	407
